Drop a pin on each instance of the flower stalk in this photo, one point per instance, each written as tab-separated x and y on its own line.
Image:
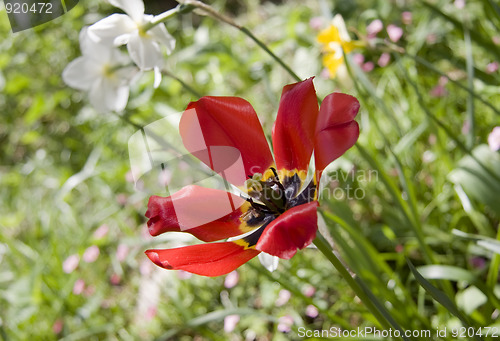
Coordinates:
160	18
325	249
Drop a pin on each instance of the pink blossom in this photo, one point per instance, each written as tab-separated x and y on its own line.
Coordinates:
432	139
115	279
285	324
230	322
312	311
477	262
164	177
231	279
407	18
496	40
395	33
91	254
439	90
71	263
122	199
368	66
325	74
101	231
57	327
308	290
358	58
89	291
129	177
374	27
443	81
494	139
151	312
466	127
431	38
145	232
460	4
384	59
121	252
283	297
79	286
492	67
316	23
145	268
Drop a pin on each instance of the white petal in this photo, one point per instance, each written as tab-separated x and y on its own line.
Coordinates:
106	96
339	23
126	75
118	57
92	49
134	8
161	35
268	261
80	73
106	30
144	51
122	39
157	77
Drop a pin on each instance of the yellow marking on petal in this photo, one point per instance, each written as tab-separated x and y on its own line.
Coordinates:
315	181
244	243
282	173
268	174
244	213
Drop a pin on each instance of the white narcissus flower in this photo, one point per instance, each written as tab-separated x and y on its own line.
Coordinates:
103	71
130	29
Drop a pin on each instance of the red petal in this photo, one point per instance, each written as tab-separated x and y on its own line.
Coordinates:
229	122
208	214
212	260
336	130
293	132
296	228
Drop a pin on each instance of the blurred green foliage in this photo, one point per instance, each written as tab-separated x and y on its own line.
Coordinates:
64	172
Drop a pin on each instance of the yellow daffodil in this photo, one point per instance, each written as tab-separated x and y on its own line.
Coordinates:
335	42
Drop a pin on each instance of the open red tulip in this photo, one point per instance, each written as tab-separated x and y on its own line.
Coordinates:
278	215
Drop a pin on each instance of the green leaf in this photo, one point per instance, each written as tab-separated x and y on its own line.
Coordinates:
491	245
439	296
452	273
478	182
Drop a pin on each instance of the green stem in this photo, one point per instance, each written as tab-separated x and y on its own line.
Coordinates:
213	13
492	278
322	246
470	82
269	52
158	19
128	121
184	84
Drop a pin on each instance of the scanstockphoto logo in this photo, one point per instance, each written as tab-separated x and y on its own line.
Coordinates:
26	14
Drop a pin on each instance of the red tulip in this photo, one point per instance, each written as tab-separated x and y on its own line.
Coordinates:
278	214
